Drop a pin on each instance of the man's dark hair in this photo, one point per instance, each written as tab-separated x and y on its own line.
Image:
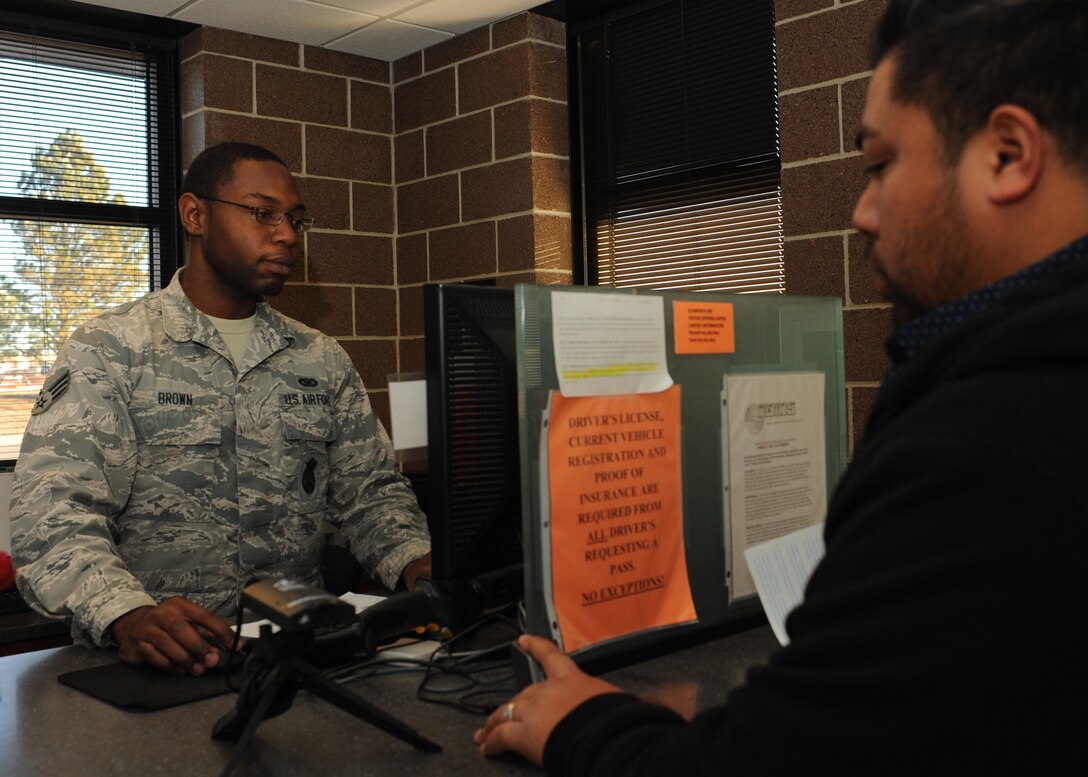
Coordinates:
214	166
960	59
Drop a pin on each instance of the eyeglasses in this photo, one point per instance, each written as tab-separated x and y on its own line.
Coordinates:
267	216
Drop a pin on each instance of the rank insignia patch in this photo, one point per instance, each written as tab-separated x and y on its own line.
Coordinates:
54	389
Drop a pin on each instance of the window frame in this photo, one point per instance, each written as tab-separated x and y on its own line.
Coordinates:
164	135
587	132
159	52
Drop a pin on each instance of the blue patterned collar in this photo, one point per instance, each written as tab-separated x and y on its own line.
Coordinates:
915	335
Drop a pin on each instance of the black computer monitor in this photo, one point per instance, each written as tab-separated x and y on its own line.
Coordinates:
474	500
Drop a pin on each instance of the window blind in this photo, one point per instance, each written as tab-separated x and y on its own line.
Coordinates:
87	181
679	145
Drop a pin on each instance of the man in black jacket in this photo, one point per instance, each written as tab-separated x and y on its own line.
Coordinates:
934	636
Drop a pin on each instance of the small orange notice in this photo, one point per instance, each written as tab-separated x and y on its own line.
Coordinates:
703	327
617	522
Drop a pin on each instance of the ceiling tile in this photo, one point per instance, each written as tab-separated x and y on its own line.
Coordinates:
150	7
291	20
461	15
376	7
389	40
400	26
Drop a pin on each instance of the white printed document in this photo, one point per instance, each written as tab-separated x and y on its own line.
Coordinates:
609	343
775	462
781	568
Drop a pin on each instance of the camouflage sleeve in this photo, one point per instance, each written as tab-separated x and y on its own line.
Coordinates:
72	479
369	499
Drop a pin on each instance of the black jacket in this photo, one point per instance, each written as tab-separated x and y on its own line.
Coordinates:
943	630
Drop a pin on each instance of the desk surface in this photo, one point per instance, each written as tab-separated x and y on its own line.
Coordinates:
46	727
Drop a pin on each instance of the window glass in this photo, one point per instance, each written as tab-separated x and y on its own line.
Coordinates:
679	146
83	226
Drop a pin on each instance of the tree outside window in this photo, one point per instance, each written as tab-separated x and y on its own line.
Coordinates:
87	174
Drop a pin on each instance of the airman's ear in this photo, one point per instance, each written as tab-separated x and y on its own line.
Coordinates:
1014	154
193	213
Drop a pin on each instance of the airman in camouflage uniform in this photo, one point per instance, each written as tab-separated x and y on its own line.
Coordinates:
159	465
162	471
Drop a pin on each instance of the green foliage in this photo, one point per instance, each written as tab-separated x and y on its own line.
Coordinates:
68	271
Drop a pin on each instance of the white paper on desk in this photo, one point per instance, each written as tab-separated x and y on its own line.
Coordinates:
419	649
359	601
609	343
781	568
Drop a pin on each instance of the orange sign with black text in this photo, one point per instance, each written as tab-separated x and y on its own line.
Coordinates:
703	327
617	522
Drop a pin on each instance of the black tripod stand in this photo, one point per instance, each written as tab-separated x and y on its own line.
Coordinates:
274	673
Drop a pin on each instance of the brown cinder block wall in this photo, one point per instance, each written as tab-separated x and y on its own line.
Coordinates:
450	164
482	169
823	72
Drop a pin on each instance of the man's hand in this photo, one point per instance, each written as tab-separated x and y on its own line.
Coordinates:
525	727
176	636
414	570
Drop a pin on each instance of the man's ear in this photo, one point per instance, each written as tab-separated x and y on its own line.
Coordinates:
1014	154
193	214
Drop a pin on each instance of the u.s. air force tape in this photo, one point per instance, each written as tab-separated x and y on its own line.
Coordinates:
53	389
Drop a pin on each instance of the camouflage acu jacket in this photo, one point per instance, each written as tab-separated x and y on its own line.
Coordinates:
154	467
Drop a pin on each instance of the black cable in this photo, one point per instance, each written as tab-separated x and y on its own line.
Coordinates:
447	674
232	650
471	671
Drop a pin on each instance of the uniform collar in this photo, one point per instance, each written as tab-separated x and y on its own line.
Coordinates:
183	322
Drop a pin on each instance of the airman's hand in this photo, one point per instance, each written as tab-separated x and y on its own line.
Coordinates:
413	570
177	636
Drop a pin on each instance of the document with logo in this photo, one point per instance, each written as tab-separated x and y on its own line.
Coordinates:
774	462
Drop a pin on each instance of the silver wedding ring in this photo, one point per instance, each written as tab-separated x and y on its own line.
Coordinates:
508	713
